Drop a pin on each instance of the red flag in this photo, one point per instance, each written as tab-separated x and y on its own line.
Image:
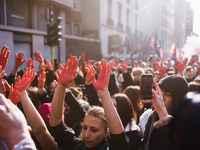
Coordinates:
152	42
139	51
161	54
173	49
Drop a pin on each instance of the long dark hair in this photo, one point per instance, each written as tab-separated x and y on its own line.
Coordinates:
124	108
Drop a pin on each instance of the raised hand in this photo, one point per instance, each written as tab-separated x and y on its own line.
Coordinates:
90	74
103	78
180	65
42	67
41	80
70	55
38	56
82	56
68	71
48	64
161	70
58	71
192	61
4	54
29	63
13	95
157	101
27	78
19	59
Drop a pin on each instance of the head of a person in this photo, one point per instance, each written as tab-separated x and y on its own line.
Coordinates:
77	92
78	80
124	107
51	87
133	93
185	124
94	128
136	72
189	72
174	88
194	86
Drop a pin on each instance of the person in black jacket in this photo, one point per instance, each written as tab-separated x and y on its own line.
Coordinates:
169	93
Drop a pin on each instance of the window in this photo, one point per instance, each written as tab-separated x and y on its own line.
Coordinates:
119	12
68	27
42	17
47	51
76	30
2	12
18	13
24	47
128	14
75	4
109	8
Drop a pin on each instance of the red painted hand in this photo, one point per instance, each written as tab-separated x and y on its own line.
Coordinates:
13	95
90	74
4	54
69	71
19	59
103	78
42	67
29	63
70	55
27	78
161	70
48	64
38	56
42	78
82	56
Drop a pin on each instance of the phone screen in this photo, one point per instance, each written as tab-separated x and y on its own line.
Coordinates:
146	86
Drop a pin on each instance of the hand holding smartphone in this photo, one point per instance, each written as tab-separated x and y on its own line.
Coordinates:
146	83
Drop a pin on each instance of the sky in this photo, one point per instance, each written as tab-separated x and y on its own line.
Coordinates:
196	7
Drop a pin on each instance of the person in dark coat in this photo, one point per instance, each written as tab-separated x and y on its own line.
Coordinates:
169	93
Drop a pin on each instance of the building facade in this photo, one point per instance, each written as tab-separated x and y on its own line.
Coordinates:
23	27
99	28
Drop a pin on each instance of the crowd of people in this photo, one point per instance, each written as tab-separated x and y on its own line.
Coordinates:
95	105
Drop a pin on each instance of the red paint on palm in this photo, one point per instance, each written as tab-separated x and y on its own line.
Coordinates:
26	79
68	71
4	54
38	56
13	95
42	78
90	74
103	78
19	59
29	62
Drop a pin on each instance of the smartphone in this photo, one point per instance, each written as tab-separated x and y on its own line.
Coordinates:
146	84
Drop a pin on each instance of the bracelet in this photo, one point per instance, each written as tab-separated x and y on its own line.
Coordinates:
162	121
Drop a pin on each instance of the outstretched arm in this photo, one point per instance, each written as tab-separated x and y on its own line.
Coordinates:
68	73
13	128
101	85
34	119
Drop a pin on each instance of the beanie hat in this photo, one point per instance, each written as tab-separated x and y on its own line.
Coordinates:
176	85
45	110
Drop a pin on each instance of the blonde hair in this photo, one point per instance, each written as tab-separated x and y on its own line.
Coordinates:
97	112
